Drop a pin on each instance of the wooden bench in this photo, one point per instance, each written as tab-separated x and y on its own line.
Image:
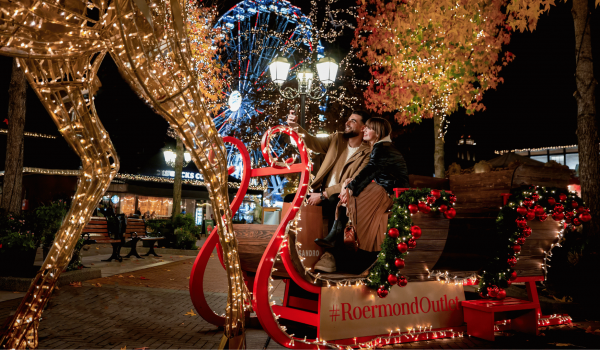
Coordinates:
135	232
481	315
96	232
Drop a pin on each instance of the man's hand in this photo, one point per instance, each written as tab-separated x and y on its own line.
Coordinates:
314	198
292	119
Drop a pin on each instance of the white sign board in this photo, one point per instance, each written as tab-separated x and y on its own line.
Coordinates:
351	312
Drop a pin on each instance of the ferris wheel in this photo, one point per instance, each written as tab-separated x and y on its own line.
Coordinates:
255	32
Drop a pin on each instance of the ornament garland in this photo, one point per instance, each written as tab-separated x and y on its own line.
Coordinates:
525	204
402	235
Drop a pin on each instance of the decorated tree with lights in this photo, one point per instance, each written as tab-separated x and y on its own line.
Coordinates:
524	15
430	57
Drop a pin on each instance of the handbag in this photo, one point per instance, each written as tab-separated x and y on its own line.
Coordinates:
350	237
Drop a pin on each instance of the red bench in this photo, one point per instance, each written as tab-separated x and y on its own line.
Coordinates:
481	315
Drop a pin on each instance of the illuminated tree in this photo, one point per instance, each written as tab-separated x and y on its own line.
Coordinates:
430	57
204	40
524	15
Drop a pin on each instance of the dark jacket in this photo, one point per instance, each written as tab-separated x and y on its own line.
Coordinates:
386	166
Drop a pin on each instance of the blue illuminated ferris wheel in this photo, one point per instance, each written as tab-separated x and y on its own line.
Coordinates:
255	32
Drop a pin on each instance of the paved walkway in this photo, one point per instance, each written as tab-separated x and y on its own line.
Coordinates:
153	309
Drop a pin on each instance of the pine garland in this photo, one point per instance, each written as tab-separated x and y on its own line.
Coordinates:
387	270
526	203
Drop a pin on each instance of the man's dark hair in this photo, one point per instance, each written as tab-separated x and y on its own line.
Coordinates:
364	116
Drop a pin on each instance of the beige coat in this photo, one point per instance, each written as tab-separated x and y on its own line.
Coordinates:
333	146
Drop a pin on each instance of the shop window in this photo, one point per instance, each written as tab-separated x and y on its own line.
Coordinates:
155	205
542	159
128	204
573	161
560	159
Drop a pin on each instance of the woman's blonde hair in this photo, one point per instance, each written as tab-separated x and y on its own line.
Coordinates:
381	127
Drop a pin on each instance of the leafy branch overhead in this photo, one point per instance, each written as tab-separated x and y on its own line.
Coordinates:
431	57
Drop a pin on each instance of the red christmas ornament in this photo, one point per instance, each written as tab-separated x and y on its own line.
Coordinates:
513	276
501	294
402	247
585	217
421	205
559	208
581	210
521	240
415	231
522	211
452	198
512	261
535	197
521	222
399	263
402	281
551	201
516	248
382	292
436	193
576	221
569	216
425	209
539	210
527	231
508	282
393	232
430	199
483	296
392	279
558	216
450	213
527	202
562	197
530	214
443	208
412	243
413	208
492	291
543	217
574	204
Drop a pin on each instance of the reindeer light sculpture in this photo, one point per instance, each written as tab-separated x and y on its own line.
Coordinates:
60	45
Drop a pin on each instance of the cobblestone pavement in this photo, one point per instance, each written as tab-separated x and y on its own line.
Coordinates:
121	313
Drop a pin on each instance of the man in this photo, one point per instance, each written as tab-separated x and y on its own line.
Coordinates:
345	156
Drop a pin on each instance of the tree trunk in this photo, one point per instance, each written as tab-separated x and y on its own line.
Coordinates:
177	181
13	169
587	129
438	151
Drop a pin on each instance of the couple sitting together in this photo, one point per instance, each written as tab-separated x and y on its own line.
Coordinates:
361	168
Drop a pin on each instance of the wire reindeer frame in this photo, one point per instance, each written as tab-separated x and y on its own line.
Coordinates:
60	45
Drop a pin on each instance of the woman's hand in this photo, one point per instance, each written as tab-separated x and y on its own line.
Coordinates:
346	193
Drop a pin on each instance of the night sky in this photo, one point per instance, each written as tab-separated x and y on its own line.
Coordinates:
533	108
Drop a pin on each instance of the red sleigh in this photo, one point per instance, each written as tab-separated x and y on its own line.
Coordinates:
302	300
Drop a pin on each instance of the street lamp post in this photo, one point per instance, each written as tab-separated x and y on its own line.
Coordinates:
177	160
326	68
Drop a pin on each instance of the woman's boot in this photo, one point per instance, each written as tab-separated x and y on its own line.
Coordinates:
329	241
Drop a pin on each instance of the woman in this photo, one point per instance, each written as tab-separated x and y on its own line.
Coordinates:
368	197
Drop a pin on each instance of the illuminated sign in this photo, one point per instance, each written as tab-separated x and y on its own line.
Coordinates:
184	174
